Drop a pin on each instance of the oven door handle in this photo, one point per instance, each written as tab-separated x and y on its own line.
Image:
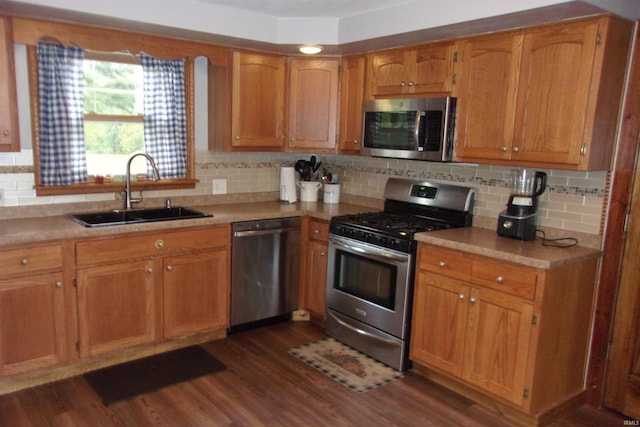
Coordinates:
361	331
384	257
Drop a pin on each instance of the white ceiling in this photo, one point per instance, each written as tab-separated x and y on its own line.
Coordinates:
308	8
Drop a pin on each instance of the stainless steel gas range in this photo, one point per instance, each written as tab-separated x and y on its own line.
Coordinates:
371	265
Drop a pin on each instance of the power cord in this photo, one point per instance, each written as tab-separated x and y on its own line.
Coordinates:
556	243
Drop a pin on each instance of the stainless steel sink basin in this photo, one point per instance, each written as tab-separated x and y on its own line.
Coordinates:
135	216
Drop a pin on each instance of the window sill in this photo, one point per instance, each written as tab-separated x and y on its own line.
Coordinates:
114	187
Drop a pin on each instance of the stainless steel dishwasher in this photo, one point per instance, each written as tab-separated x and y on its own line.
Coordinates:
265	270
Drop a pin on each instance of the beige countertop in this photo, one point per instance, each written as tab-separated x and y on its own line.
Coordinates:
18	231
485	242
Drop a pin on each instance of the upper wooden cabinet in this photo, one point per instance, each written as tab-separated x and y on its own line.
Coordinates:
313	104
546	96
247	103
420	70
351	98
9	136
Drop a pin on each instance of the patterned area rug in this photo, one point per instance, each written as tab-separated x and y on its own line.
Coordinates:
349	367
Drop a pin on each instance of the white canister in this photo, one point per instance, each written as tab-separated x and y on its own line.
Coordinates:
331	193
309	190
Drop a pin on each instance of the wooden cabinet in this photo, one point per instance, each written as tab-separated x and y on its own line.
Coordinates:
9	136
262	102
424	69
313	104
32	309
545	96
314	272
145	288
351	98
503	333
247	103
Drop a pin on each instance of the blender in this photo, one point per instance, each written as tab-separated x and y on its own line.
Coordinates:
518	221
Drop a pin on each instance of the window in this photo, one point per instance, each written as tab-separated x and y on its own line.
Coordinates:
127	105
113	113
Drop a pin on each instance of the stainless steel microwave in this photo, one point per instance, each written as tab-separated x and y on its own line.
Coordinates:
417	128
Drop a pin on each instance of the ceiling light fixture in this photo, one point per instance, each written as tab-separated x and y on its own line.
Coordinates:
310	49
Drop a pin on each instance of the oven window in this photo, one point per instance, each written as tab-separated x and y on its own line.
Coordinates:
366	279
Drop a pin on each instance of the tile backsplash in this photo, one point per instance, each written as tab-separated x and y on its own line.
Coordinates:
573	201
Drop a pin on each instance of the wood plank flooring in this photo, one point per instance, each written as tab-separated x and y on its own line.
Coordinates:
264	386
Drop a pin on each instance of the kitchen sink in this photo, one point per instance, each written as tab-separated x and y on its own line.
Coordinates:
135	216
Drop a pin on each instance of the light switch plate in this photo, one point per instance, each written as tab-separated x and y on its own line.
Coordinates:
219	186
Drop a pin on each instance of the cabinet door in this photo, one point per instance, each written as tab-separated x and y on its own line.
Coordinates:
195	293
32	323
258	101
433	68
313	103
116	306
439	322
316	278
351	98
389	73
497	344
9	138
487	97
553	92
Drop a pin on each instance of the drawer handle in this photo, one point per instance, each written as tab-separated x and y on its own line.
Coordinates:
442	264
159	244
461	297
58	284
499	279
24	261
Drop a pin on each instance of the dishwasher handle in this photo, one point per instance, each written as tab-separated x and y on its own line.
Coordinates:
249	233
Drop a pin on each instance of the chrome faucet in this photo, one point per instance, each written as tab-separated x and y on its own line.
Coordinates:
128	201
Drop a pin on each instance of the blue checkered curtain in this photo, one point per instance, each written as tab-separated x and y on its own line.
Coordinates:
165	119
61	131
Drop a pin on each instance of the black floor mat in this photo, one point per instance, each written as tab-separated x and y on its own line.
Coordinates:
151	373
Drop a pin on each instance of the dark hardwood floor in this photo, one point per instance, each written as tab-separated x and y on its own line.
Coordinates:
264	386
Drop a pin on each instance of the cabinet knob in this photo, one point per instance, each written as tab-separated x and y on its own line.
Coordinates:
472	300
499	279
461	297
169	267
410	83
442	264
237	137
321	253
290	139
150	270
504	148
355	141
5	132
24	261
58	284
159	244
316	231
403	84
515	149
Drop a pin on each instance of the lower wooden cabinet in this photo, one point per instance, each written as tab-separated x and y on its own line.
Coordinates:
515	338
32	320
148	288
314	272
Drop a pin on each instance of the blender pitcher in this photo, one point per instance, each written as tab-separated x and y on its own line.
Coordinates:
526	187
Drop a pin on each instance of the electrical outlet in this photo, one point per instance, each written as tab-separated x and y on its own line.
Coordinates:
219	186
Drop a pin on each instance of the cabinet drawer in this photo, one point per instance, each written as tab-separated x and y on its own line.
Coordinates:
444	261
318	230
149	245
30	260
505	277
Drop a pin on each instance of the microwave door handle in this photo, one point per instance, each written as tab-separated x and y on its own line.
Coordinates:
416	134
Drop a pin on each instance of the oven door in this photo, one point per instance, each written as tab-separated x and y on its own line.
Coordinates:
370	284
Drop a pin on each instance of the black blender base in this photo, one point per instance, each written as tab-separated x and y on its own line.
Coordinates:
521	228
